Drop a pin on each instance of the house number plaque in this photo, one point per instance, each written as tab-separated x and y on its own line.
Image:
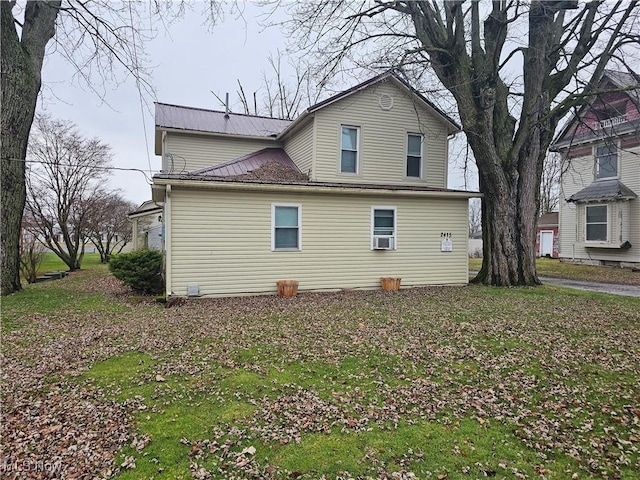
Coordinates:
446	244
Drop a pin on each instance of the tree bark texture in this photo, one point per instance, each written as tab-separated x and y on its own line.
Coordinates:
22	59
465	55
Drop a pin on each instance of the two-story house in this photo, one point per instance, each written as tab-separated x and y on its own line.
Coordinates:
352	190
600	147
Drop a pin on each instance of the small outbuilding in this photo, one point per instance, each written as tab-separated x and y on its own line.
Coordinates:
547	235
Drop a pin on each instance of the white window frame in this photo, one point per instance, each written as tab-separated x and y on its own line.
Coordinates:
597	163
357	129
586	239
273	227
406	157
395	224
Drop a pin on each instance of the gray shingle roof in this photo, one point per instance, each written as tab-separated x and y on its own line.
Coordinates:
624	79
213	121
548	220
604	190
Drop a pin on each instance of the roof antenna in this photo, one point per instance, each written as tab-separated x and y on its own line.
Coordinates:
226	106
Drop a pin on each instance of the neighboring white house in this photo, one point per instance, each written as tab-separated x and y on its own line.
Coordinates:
147	226
599	207
352	190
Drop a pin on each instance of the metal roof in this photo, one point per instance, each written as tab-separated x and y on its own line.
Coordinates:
218	122
603	190
280	167
214	121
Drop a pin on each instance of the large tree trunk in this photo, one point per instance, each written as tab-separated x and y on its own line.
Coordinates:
509	216
21	80
511	182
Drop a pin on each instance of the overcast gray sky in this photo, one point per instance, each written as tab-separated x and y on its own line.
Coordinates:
190	61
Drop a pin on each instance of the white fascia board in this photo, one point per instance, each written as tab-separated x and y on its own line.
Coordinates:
322	189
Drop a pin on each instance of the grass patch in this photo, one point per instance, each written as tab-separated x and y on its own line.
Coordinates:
448	382
57	298
465	450
52	262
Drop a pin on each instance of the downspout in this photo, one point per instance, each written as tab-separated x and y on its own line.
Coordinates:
167	240
163	150
134	233
447	146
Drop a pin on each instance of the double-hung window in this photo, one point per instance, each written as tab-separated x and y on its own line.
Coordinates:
414	155
350	139
596	223
606	161
383	228
286	231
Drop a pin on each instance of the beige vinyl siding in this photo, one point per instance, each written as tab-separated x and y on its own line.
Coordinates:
222	242
580	173
630	176
383	141
193	151
300	148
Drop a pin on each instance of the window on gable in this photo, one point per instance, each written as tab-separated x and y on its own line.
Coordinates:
286	231
349	150
383	226
596	223
414	155
606	161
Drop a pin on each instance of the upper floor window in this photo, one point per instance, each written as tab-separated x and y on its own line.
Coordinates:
286	231
414	155
606	161
349	150
597	225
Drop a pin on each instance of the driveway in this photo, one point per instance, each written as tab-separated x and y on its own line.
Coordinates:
614	289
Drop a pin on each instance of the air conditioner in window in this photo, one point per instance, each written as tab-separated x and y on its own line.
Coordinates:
383	243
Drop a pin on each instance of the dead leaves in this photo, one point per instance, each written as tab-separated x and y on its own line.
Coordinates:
562	376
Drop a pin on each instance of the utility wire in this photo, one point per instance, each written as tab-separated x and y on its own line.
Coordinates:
140	96
143	172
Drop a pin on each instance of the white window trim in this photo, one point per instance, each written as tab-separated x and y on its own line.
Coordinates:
406	156
608	240
358	132
273	227
595	161
395	224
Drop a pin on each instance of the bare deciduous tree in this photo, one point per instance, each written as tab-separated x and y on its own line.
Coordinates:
32	251
98	38
107	224
279	97
475	216
514	70
550	183
64	182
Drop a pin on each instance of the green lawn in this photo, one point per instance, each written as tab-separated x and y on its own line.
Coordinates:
52	262
552	267
449	382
